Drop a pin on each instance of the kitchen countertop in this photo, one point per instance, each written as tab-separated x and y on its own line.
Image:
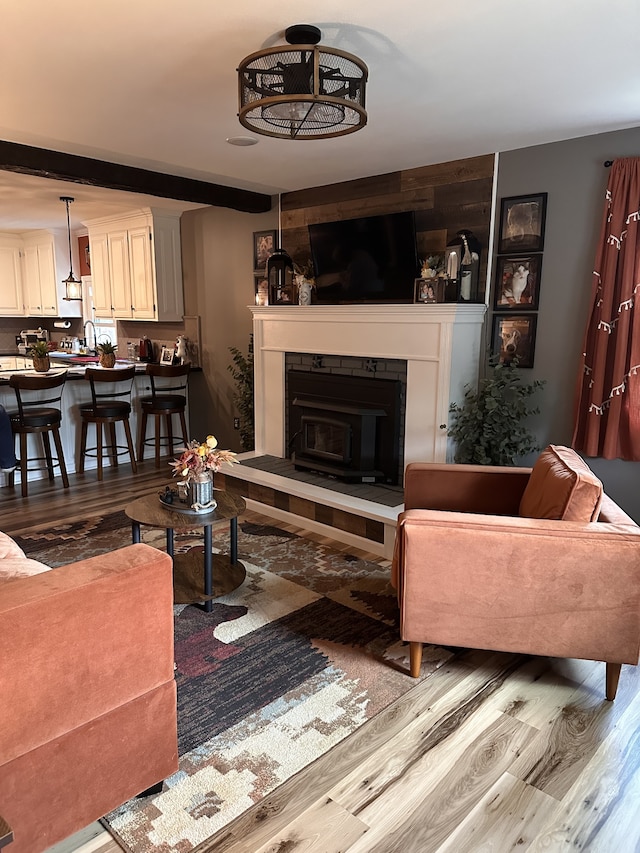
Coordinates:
75	365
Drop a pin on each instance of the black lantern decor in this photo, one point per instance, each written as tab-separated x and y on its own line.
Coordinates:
280	278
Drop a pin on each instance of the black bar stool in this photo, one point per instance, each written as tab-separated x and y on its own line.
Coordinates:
110	404
168	398
38	414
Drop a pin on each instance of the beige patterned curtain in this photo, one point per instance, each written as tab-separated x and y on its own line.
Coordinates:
608	406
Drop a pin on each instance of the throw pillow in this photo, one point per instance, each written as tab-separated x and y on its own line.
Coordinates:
563	487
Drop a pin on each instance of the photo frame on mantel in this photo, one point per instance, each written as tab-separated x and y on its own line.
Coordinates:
522	222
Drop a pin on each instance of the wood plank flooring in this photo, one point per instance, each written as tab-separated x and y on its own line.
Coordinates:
494	752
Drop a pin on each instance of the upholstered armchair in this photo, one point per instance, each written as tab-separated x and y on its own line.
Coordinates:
537	561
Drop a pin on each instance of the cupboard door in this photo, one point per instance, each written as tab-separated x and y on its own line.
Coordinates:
142	274
100	275
11	300
47	276
120	274
32	300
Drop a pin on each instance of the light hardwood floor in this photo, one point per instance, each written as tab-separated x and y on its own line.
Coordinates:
494	752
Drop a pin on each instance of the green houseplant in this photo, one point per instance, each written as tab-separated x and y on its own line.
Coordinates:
107	354
39	353
488	426
242	372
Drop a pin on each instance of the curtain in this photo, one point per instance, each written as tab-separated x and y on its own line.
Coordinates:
608	403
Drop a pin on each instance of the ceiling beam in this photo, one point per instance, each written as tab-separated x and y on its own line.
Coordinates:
27	160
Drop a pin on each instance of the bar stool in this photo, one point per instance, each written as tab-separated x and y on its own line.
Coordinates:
108	407
38	414
168	398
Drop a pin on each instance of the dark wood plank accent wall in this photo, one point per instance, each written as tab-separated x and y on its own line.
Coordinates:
445	197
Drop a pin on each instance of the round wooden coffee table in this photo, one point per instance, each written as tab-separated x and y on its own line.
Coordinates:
229	571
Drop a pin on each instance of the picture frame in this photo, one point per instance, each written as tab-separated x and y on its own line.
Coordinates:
522	223
517	282
264	244
261	289
167	355
428	291
514	338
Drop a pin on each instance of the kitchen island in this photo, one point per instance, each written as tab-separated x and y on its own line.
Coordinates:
76	392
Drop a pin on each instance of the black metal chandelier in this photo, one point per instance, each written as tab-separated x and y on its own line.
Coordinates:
302	91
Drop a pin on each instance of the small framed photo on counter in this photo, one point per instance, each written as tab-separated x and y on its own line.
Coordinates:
167	355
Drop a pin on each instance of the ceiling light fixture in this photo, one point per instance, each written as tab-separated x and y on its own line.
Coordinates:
72	285
302	91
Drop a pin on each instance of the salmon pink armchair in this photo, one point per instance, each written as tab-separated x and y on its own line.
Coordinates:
537	561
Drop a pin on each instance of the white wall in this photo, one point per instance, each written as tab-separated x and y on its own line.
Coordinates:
217	253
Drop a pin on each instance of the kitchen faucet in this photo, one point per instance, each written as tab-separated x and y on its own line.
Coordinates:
91	349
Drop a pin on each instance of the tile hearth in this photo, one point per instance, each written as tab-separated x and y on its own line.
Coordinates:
361	515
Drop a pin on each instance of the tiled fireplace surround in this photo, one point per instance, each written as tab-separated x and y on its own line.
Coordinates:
441	346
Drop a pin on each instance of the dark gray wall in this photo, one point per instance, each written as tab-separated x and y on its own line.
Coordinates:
573	174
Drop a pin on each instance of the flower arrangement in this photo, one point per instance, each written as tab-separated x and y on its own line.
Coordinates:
201	458
432	266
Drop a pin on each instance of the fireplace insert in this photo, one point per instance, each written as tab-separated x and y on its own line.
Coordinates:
344	426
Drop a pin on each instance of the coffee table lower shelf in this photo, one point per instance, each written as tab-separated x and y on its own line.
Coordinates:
188	580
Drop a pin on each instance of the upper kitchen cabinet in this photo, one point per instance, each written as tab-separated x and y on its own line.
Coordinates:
45	265
136	266
11	299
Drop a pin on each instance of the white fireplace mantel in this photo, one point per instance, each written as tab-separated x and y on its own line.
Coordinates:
440	343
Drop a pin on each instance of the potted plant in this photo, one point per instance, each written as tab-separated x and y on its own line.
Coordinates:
242	372
39	352
488	427
107	354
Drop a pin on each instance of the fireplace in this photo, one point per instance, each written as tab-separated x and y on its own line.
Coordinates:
439	344
345	426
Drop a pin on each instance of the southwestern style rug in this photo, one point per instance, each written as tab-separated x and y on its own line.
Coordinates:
284	668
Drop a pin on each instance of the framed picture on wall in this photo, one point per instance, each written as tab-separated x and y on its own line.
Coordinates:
514	338
517	282
522	221
264	243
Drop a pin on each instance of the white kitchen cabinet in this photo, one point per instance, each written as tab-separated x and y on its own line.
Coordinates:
40	292
11	298
138	274
45	266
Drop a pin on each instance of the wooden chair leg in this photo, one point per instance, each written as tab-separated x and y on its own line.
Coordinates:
612	678
415	658
83	446
183	427
113	444
61	462
47	454
127	432
99	447
169	419
142	434
23	464
157	420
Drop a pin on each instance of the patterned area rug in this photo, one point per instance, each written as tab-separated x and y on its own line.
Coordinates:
283	669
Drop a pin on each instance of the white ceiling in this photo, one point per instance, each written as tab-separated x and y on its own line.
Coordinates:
153	83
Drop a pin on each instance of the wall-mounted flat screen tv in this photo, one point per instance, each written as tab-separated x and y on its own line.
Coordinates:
370	259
